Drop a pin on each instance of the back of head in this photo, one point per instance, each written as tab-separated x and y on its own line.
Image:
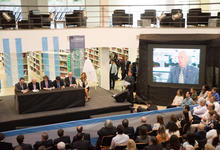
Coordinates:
191	139
187	108
160	119
2	136
79	129
201	127
61	146
20	139
172	127
173	118
120	129
44	136
143	119
125	123
174	142
186	115
60	132
108	124
131	145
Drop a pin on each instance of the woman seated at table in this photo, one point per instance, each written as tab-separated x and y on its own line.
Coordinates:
178	98
84	84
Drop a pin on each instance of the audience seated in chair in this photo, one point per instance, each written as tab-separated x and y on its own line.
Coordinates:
143	123
190	141
172	129
79	129
143	136
61	146
20	140
45	141
160	122
153	144
4	145
174	143
128	130
178	98
188	100
62	137
199	111
131	145
215	93
80	143
162	136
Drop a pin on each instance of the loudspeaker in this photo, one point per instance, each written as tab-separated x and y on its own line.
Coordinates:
121	97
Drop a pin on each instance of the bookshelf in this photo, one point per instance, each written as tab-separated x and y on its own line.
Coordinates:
63	63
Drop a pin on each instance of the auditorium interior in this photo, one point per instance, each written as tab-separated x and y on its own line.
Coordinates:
109	74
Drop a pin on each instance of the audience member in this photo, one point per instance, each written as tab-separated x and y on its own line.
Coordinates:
61	146
172	129
190	141
21	86
46	83
4	145
188	100
83	83
131	145
62	137
174	143
20	140
120	138
215	103
34	85
187	108
207	116
204	91
199	111
175	119
143	137
128	130
178	98
70	81
215	93
162	136
81	144
209	95
79	129
58	83
201	133
45	141
185	122
153	144
194	95
159	122
143	123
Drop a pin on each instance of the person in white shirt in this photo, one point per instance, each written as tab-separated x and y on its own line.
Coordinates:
216	104
207	116
199	111
178	98
120	138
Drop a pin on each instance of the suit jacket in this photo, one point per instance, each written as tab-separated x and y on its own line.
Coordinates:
48	143
154	147
190	75
129	131
18	87
31	87
65	139
6	146
50	84
82	145
67	81
55	83
149	128
105	132
130	79
86	137
125	67
26	146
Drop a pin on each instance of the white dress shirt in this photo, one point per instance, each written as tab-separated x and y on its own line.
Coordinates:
199	111
120	139
178	100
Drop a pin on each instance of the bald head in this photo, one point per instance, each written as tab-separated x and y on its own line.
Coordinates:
70	74
34	81
201	127
210	106
108	124
79	129
143	119
183	59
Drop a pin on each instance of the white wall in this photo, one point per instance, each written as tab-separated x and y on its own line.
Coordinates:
94	37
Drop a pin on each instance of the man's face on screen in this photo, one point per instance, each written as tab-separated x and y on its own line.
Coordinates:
183	59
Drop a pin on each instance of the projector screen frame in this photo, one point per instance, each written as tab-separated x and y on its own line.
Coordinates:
180	46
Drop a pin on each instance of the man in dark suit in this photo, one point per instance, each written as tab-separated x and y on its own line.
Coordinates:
183	73
4	145
46	83
153	144
44	141
70	81
124	67
33	85
128	130
62	138
21	86
81	143
130	79
58	83
85	135
20	140
143	123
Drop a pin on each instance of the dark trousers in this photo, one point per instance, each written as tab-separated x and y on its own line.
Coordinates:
112	81
124	74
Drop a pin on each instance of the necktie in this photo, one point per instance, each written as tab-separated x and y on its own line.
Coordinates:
181	80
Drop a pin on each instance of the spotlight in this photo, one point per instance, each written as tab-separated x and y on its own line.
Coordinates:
176	16
51	17
6	16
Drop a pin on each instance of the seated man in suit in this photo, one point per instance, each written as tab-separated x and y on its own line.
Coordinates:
34	85
82	144
44	141
4	145
21	86
128	130
20	140
183	72
62	138
46	83
58	83
143	123
107	130
80	130
70	81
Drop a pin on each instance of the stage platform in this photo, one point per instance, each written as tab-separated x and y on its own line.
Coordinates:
101	102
